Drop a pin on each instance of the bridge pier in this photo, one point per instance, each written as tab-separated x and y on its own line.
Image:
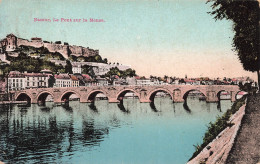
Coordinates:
113	100
83	100
211	96
233	96
145	101
34	101
178	100
177	96
57	100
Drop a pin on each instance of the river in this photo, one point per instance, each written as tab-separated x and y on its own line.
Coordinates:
105	133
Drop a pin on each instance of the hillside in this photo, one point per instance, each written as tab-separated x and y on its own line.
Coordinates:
32	56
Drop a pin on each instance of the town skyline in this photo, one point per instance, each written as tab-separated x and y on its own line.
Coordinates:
166	39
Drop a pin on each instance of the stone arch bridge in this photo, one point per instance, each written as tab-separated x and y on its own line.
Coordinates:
178	93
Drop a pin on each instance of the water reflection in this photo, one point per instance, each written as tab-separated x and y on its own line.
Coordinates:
93	107
153	107
219	106
67	107
186	107
45	109
67	133
32	136
122	108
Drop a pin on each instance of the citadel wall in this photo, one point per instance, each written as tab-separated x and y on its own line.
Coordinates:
76	50
62	49
11	42
26	42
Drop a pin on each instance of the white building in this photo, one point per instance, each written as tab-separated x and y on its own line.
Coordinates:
102	81
66	80
144	82
76	68
36	80
16	81
101	68
130	80
62	80
20	81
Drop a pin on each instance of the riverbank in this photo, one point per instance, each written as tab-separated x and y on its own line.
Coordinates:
12	102
217	150
247	143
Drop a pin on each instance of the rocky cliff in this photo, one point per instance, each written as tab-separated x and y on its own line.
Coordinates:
12	42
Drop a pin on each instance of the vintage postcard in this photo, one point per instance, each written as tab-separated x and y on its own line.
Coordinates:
126	82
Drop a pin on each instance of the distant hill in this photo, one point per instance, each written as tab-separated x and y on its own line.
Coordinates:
32	56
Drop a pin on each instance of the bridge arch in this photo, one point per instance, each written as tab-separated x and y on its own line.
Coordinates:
219	94
238	95
23	96
120	95
41	98
185	95
65	95
92	95
153	93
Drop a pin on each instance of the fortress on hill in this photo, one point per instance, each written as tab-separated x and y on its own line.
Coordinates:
11	43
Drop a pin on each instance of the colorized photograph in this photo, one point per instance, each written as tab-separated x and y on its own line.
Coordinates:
130	82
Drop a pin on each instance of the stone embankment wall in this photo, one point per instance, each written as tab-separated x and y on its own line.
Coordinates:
218	150
246	149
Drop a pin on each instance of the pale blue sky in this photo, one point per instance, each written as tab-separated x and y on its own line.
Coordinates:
175	37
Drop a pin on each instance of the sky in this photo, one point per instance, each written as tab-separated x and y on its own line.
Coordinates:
174	38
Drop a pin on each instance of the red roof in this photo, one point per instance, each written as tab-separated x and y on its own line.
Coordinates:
16	74
86	76
242	93
62	76
35	75
225	93
74	78
137	77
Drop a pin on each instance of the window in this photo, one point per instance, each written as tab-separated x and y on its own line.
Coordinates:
33	84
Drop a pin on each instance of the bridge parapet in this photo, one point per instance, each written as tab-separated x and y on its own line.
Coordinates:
178	93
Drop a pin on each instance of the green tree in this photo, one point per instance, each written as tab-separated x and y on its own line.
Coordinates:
68	67
81	59
98	59
245	17
105	60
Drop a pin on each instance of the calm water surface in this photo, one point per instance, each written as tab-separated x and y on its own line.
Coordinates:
105	133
